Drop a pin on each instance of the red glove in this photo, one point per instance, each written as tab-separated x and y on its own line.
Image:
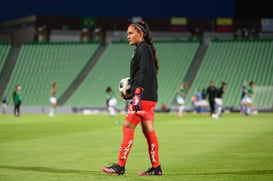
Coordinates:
136	101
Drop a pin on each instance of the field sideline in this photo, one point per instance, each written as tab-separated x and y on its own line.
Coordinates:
196	147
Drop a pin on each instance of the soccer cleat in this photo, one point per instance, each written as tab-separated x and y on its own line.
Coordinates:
152	171
114	169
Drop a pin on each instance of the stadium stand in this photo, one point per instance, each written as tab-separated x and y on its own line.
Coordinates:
5	48
4	51
233	61
174	60
40	64
110	69
237	62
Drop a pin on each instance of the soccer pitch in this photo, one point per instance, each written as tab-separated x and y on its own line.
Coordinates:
196	147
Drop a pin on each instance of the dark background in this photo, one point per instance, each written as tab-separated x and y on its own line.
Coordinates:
190	8
123	8
116	15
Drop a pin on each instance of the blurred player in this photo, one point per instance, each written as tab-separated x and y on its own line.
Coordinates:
4	104
219	100
211	93
111	101
204	102
197	101
243	93
247	100
180	98
143	74
17	100
53	98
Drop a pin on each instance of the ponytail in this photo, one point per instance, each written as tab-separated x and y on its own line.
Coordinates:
148	38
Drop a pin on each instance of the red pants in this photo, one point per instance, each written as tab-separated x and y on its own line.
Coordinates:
146	114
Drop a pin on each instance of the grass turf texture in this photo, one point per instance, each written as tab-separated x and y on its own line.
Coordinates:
196	147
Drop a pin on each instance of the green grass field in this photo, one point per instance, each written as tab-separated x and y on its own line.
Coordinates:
196	147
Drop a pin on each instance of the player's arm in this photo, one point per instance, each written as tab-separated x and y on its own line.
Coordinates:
179	92
117	96
51	92
248	93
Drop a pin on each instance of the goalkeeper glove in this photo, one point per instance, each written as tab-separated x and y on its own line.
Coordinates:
136	102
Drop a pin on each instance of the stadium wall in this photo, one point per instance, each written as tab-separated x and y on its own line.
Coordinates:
102	110
28	28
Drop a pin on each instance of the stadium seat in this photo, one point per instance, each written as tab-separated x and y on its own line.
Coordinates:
40	64
237	63
174	60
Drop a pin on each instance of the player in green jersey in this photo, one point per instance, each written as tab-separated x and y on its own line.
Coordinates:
180	98
247	100
17	100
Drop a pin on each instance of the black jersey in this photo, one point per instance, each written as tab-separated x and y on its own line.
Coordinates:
143	72
220	92
211	92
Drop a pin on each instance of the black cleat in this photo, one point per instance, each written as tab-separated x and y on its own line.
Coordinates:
114	169
152	171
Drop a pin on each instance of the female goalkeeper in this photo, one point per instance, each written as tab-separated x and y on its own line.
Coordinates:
143	74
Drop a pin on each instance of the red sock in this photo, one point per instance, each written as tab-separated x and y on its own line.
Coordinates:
152	148
126	145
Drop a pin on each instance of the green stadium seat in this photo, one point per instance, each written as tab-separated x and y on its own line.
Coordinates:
40	64
174	60
237	63
4	51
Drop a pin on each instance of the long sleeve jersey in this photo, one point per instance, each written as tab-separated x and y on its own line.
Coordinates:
143	72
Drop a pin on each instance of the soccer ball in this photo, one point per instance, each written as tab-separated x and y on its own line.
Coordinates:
215	116
125	87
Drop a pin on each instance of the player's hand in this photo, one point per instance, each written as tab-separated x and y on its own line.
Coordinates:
136	102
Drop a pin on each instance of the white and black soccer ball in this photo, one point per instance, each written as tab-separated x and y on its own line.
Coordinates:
125	87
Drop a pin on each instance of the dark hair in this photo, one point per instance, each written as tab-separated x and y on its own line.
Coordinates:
185	84
54	84
251	83
108	89
142	26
